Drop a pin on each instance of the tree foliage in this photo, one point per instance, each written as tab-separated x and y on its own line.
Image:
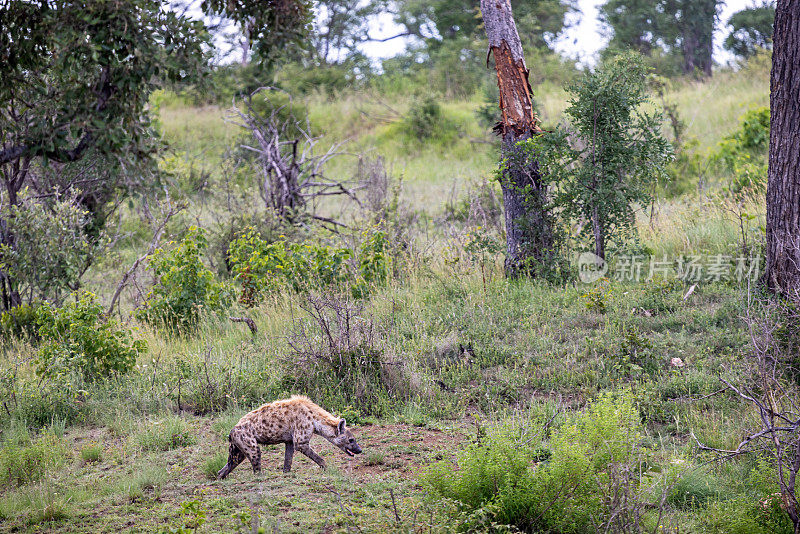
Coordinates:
751	29
675	33
270	25
75	80
605	161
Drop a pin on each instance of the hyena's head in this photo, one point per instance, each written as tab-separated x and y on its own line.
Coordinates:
344	439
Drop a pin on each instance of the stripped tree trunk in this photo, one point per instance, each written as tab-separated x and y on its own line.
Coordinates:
529	236
782	272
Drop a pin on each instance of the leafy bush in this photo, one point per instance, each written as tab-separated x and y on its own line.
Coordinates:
427	121
743	153
184	286
262	267
595	454
79	337
598	298
18	322
53	248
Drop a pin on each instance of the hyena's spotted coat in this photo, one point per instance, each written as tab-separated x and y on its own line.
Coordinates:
291	421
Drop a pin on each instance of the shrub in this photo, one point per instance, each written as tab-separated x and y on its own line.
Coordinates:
427	123
743	153
591	479
597	299
184	286
262	267
167	434
79	337
52	247
338	358
18	322
605	164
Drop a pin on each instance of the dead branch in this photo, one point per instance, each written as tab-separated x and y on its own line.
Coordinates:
291	167
251	324
173	209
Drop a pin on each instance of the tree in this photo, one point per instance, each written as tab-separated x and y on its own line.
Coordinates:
617	151
634	24
75	79
529	232
751	29
538	21
696	19
677	28
269	26
782	273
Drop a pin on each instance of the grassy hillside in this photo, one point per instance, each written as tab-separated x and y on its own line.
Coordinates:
137	452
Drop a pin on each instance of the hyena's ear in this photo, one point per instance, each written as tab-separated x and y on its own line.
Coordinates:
340	428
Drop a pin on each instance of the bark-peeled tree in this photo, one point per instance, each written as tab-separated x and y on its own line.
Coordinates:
782	272
529	238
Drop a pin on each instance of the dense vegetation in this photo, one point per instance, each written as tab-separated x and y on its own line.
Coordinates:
575	403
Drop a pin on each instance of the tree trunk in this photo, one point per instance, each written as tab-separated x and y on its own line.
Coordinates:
697	35
599	233
529	236
782	272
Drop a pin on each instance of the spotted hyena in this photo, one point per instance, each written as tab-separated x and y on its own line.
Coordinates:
292	422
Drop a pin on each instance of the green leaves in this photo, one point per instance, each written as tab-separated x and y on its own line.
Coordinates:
79	338
184	286
262	267
85	71
271	25
608	157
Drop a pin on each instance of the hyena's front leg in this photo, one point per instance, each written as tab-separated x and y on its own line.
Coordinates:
288	456
306	449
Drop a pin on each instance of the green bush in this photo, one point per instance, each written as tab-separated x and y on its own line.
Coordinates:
184	286
18	322
427	121
262	267
79	337
742	154
591	456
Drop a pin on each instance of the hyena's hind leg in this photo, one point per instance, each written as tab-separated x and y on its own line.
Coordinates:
246	442
235	457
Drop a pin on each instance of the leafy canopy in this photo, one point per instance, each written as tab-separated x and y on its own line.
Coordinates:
76	75
751	29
